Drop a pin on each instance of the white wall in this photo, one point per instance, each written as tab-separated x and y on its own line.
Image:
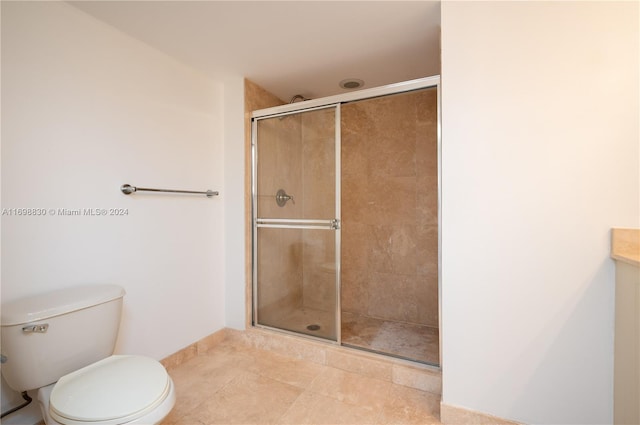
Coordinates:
86	109
234	208
540	160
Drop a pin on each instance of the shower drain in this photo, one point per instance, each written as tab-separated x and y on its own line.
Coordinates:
313	327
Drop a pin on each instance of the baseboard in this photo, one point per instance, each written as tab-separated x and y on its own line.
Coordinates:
453	415
194	349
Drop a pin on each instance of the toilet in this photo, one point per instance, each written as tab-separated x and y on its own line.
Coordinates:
61	343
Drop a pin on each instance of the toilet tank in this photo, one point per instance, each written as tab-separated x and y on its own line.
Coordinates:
47	336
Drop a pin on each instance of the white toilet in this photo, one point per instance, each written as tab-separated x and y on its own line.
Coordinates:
62	342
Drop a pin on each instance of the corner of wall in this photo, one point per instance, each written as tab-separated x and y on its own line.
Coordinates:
234	202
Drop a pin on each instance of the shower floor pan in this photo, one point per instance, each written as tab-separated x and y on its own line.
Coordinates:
403	340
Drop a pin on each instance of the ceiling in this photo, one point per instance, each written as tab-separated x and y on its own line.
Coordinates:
288	47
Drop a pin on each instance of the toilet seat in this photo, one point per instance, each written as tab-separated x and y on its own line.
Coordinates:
115	390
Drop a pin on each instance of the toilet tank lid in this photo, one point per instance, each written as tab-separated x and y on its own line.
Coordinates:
43	306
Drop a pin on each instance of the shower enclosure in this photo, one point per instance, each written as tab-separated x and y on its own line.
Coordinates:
296	226
345	219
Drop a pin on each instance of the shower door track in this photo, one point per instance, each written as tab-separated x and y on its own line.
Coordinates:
405	86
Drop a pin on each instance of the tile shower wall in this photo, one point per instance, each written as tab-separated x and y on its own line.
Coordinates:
279	250
389	208
319	179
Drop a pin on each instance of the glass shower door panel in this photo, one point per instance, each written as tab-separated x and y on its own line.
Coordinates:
297	278
296	227
296	162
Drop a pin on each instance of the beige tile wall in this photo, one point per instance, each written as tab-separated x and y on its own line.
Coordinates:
319	179
280	251
389	207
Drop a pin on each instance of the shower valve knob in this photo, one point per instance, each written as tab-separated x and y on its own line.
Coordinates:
282	198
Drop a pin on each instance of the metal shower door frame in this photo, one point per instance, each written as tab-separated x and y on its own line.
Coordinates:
315	224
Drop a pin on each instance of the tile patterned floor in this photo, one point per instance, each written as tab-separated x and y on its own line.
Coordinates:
235	384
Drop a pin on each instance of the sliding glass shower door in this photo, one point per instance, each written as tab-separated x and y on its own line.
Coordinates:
296	222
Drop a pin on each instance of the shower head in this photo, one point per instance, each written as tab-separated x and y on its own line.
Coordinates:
297	97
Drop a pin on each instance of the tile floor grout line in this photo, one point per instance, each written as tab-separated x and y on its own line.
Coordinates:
279	421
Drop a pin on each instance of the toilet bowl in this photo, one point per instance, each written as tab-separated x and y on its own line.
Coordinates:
62	342
116	390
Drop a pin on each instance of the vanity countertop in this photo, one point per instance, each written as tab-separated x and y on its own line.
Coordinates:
625	245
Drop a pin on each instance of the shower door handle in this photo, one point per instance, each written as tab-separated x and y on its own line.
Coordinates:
285	223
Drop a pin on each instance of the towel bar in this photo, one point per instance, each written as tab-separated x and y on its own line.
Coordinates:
127	189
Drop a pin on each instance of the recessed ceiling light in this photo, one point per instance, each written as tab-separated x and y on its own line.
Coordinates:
351	83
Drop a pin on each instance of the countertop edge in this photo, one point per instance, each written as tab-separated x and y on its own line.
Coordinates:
625	245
